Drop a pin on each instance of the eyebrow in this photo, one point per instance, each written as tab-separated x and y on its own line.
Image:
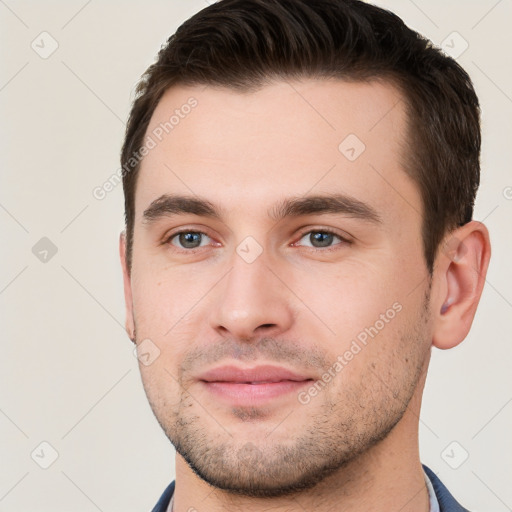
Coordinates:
323	204
168	205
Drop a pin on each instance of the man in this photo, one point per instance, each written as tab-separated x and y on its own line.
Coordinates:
299	183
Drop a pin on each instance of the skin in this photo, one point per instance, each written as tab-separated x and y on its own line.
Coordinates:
353	446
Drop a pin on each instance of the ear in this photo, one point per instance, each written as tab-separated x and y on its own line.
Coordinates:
461	267
129	322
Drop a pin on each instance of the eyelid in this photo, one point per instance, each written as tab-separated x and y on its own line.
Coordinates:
176	236
166	239
344	237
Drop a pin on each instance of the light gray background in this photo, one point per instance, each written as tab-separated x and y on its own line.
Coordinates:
68	374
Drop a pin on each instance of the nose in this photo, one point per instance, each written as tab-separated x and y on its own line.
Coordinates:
252	301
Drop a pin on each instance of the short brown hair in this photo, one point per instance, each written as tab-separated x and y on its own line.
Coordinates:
245	44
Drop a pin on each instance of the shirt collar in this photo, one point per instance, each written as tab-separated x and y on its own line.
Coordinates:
434	503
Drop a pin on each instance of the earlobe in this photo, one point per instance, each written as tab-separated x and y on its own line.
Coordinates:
129	322
461	267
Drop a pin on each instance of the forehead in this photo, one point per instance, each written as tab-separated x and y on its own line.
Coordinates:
287	139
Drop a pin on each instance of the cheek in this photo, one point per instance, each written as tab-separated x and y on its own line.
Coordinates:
349	298
162	389
380	365
368	320
164	299
166	308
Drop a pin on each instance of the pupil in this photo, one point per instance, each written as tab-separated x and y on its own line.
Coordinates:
320	239
190	240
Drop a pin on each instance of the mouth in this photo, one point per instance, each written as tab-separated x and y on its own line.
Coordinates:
252	386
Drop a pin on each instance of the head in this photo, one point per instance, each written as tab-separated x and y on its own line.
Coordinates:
299	184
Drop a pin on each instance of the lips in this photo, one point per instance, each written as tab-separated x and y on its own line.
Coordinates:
259	375
252	386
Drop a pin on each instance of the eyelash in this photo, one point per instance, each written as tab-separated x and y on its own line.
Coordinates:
343	240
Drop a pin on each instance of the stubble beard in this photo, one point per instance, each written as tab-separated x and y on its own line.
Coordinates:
332	435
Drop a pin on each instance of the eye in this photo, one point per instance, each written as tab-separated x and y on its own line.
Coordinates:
189	239
320	238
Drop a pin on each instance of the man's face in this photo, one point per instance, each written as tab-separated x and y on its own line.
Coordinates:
338	296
